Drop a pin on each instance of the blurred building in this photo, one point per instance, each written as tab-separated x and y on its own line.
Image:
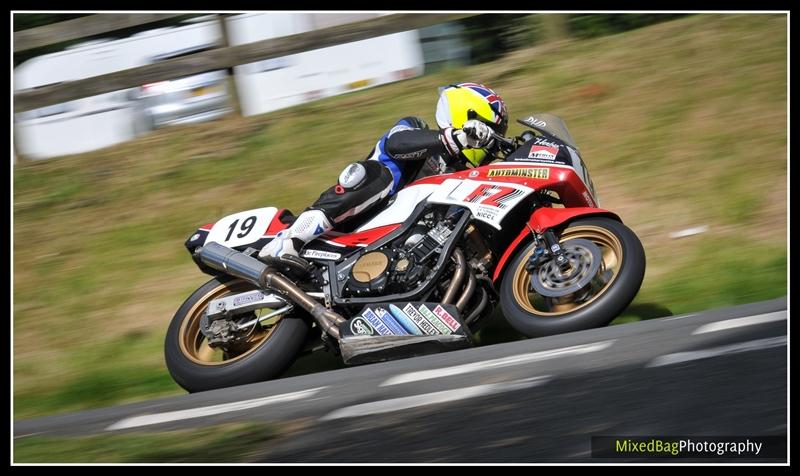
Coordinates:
97	121
277	83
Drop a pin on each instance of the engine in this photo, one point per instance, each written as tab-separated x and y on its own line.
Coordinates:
402	264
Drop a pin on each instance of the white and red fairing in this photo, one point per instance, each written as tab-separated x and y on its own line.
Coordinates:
490	192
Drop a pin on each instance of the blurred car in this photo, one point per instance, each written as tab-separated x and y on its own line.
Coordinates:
187	100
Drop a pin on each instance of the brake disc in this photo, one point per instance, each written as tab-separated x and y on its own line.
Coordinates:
584	263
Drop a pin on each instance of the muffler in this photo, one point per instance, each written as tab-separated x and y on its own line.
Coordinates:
250	269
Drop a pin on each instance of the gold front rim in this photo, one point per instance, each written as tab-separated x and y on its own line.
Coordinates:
612	256
194	345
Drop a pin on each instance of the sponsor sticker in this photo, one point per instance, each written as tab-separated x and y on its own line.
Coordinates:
543	141
361	83
474	173
319	254
384	316
376	323
445	316
588	198
248	298
361	327
411	155
404	320
420	320
535	122
488	213
528	172
437	323
543	152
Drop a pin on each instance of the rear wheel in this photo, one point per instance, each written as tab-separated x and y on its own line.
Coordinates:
267	349
607	264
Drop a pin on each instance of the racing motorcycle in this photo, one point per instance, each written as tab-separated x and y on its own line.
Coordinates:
419	276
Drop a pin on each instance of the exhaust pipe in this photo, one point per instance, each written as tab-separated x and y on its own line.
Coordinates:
250	269
484	301
326	318
458	277
472	283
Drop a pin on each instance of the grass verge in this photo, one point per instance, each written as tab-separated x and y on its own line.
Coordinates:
229	443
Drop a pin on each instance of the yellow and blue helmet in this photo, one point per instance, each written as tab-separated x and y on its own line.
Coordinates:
461	102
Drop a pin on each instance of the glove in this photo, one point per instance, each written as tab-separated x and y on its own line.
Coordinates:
474	135
478	134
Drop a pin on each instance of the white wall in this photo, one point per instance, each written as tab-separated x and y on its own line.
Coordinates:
278	83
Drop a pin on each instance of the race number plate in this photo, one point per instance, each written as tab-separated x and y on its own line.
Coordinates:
242	228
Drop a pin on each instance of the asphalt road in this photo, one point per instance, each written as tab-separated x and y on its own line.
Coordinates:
717	373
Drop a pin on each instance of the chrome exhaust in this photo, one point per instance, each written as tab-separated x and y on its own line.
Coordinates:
326	318
469	289
458	277
478	310
252	270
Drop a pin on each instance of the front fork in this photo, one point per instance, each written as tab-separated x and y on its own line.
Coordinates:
547	248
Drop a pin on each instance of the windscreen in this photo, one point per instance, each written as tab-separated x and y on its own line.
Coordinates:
550	124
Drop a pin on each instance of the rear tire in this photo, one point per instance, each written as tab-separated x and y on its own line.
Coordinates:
623	257
185	351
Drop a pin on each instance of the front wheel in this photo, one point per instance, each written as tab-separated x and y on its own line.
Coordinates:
607	264
265	352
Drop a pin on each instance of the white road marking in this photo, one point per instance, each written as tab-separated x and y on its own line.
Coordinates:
680	357
156	418
741	322
679	317
491	364
403	403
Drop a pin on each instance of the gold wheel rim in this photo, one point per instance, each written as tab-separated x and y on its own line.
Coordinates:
193	343
612	257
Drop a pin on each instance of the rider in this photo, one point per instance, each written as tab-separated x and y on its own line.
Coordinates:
466	114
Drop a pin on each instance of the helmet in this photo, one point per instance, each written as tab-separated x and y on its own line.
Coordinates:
464	101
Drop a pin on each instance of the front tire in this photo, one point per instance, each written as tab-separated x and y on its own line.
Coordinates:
265	354
618	280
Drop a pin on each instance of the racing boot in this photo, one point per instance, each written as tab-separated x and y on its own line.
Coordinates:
308	225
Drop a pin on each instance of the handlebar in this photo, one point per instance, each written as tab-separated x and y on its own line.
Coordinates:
505	144
502	139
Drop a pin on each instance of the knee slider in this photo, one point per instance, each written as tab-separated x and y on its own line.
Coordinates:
353	176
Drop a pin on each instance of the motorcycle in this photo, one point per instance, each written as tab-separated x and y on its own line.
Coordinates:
419	276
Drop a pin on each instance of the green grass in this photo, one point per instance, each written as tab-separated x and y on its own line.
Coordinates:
230	443
682	124
98	375
715	274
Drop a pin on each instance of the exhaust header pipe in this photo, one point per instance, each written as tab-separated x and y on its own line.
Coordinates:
245	267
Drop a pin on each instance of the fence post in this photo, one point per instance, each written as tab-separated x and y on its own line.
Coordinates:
18	157
233	93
